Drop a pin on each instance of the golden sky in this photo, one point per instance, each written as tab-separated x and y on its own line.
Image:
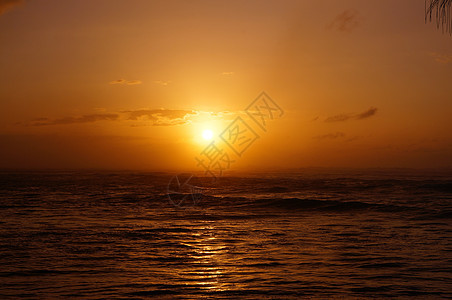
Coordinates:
112	84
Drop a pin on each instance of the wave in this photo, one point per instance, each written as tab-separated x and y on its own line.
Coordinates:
292	204
324	205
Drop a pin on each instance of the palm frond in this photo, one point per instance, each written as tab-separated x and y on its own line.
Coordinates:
442	9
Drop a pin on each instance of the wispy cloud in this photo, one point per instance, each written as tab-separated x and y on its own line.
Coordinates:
74	120
223	114
162	82
345	117
346	21
6	5
151	117
138	117
330	136
126	82
441	58
227	73
161	117
367	114
339	118
354	138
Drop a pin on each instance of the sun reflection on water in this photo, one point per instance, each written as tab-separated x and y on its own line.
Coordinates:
208	255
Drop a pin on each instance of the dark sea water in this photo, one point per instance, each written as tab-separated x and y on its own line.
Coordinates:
310	235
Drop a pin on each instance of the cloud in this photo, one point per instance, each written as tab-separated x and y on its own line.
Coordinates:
225	115
339	118
162	82
135	118
367	114
6	5
346	21
161	117
441	58
330	136
227	73
159	113
126	82
74	120
345	117
354	138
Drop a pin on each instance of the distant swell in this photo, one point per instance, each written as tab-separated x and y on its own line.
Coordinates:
294	204
326	205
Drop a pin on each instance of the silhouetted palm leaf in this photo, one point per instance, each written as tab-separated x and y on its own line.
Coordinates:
442	8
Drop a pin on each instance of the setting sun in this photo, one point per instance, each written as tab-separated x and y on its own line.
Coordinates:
207	134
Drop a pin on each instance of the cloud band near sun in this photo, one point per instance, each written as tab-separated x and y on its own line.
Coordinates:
139	117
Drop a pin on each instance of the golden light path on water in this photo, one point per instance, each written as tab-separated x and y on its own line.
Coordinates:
208	254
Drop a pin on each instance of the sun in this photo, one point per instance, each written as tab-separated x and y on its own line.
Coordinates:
207	134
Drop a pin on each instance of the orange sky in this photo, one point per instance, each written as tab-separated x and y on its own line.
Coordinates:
132	84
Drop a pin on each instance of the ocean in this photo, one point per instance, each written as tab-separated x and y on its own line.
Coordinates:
306	234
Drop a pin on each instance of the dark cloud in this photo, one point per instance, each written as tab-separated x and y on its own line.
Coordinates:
354	138
339	118
330	136
315	119
75	120
346	21
367	114
6	5
345	117
126	82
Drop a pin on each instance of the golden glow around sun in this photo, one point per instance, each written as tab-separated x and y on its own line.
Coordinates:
207	134
205	129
